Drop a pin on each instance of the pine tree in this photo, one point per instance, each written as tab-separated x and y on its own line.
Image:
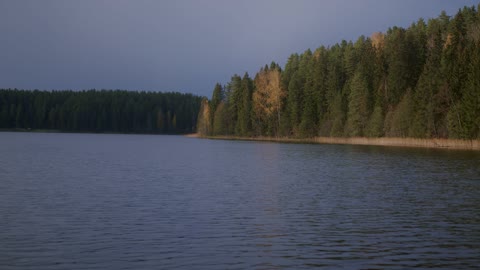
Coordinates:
398	66
244	127
464	116
234	101
296	87
217	97
338	112
401	117
358	109
219	124
375	124
309	113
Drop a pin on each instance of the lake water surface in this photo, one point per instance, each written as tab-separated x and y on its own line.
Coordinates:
87	201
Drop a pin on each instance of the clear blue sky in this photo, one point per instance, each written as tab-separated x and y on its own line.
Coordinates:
179	45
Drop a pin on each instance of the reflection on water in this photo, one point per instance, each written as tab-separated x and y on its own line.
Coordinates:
83	201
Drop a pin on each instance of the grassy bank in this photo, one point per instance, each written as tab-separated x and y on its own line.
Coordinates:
399	142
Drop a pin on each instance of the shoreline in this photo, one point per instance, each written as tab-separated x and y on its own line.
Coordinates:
23	130
451	144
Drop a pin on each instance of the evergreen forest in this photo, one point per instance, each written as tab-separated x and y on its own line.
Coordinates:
99	111
421	82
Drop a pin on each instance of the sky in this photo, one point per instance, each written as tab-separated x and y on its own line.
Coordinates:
179	45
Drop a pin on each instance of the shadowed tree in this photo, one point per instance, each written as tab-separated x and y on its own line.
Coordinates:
219	120
244	126
217	97
400	118
358	111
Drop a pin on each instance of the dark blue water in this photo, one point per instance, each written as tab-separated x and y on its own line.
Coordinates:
85	201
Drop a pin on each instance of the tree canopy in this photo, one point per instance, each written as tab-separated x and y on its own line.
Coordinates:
422	81
99	111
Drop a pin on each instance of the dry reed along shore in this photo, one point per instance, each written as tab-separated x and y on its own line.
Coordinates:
384	141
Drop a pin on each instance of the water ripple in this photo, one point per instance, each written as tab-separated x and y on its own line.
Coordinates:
73	201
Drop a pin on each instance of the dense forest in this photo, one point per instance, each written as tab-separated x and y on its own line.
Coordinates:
423	82
99	111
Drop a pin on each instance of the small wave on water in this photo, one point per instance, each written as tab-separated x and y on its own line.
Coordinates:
79	201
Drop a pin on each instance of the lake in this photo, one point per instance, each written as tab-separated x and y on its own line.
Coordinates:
101	201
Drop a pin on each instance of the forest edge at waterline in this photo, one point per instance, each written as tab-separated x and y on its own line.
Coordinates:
385	141
98	111
413	87
417	82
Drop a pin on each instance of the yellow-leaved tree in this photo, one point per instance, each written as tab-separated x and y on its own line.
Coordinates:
267	99
203	121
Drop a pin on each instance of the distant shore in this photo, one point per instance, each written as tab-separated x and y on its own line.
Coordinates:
29	130
384	141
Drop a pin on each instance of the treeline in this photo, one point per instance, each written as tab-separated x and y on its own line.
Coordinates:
99	111
423	81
